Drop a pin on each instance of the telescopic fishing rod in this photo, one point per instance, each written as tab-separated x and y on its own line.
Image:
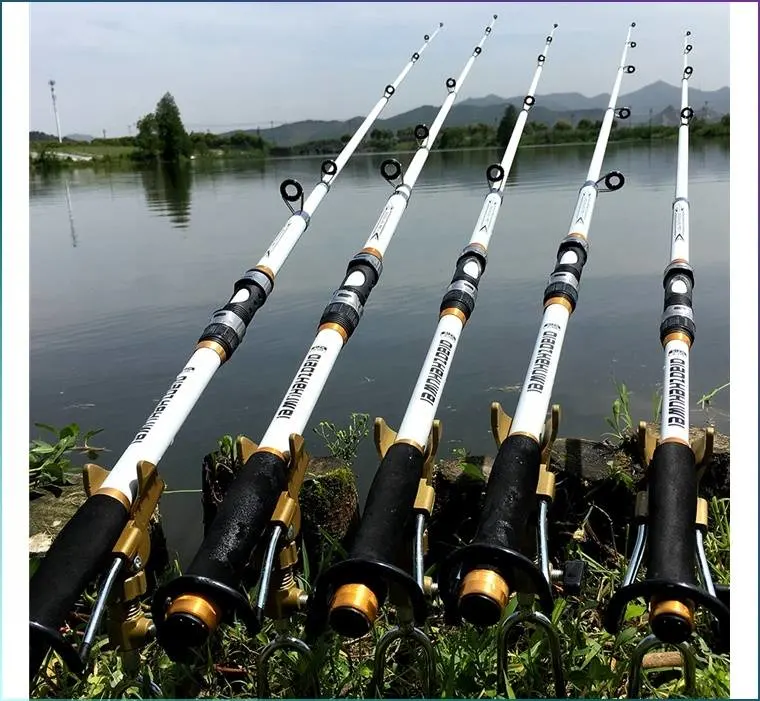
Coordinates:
671	517
477	580
259	507
82	549
349	595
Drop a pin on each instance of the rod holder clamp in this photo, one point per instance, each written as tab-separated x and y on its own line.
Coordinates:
287	512
133	545
642	659
501	422
301	650
406	631
542	622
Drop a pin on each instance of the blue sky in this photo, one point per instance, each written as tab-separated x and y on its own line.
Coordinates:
232	65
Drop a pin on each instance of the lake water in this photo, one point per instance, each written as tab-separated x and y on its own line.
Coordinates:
126	268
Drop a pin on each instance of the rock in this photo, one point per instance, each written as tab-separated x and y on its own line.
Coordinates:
329	507
39	544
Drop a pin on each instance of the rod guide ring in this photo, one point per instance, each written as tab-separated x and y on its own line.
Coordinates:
488	30
494	173
541	58
633	44
687	71
687	113
415	56
292	196
614	180
389	90
477	51
421	132
390	169
689	47
451	83
549	39
427	37
529	100
623	112
329	167
630	69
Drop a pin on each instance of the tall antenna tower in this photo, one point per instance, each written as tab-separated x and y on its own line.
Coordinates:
51	83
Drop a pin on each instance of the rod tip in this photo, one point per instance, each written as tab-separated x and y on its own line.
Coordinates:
688	33
440	24
556	25
496	16
633	24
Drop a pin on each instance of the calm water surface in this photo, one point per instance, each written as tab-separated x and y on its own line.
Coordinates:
126	269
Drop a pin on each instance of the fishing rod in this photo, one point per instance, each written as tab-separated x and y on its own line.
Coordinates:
477	580
82	549
671	517
258	509
349	595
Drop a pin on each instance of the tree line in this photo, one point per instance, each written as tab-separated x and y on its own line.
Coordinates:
161	136
534	133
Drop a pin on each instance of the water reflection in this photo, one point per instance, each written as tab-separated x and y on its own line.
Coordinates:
71	215
167	191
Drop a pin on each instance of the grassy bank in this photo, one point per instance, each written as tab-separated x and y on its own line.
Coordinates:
595	661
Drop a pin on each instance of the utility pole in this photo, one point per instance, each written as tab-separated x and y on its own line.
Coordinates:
51	83
104	133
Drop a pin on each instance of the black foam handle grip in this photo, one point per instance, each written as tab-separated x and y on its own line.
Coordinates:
241	519
389	505
672	513
76	557
509	513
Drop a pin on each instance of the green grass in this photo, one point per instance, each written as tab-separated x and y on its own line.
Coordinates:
595	662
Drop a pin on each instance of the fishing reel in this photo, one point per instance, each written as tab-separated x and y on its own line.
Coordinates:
349	596
672	521
477	581
189	609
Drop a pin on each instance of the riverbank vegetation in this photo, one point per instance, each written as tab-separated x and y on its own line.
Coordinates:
535	134
162	137
592	527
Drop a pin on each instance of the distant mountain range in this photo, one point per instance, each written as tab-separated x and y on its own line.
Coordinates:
661	98
42	136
